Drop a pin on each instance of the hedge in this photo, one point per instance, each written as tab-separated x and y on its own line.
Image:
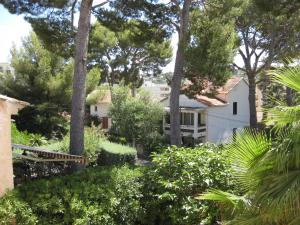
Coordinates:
102	195
113	154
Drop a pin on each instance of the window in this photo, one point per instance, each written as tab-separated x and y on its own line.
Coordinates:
201	120
234	108
96	108
167	118
187	118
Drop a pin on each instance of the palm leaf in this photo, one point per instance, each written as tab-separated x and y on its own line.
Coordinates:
287	76
246	151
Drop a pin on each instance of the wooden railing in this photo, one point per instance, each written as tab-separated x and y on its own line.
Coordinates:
43	155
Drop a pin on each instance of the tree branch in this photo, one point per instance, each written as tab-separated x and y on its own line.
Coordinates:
238	67
100	4
73	11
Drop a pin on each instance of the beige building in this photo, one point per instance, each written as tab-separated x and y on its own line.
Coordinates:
8	107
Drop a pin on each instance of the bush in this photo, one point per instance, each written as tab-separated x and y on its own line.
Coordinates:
137	119
103	195
113	154
93	137
92	120
13	209
19	137
42	119
176	178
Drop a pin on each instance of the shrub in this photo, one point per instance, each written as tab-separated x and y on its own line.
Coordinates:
43	119
19	137
177	177
12	209
137	119
93	137
103	195
92	120
113	154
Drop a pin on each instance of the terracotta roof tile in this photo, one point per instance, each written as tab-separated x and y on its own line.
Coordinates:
221	97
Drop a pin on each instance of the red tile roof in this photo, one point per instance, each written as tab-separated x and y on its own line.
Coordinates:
220	98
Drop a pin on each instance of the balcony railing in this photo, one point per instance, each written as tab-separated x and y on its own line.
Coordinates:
200	131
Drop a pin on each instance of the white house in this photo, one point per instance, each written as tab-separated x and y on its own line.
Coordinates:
213	119
101	109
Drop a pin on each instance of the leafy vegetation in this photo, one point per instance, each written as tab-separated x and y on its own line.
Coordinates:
102	195
177	177
92	141
113	154
138	119
19	137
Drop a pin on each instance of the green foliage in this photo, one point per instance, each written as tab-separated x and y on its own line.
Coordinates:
93	137
40	76
19	137
113	154
14	209
136	118
42	119
211	49
100	195
128	51
177	177
37	140
93	79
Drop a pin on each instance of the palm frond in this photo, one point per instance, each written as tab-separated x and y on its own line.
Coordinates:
287	76
231	200
282	116
246	151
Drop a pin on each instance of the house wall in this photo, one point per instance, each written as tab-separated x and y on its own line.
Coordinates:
102	110
221	121
6	167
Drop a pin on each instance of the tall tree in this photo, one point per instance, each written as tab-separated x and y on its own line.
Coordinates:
79	91
55	19
129	53
40	76
265	38
182	29
201	54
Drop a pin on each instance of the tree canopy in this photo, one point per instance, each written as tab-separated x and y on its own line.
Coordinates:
127	54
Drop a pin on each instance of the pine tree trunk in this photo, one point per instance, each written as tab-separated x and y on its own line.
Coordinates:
175	134
252	101
78	97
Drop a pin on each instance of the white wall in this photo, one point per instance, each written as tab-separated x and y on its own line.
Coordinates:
221	121
102	110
